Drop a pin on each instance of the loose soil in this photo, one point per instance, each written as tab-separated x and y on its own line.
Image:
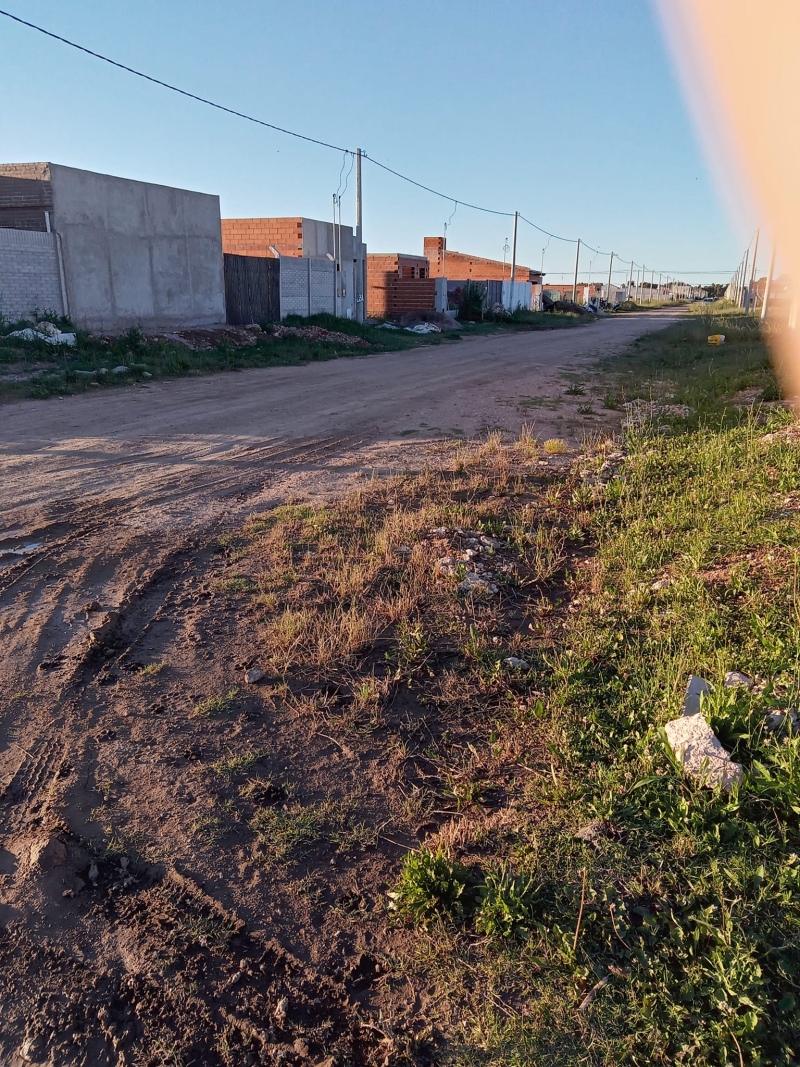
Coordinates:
138	925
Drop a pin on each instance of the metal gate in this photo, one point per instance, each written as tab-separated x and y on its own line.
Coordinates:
252	289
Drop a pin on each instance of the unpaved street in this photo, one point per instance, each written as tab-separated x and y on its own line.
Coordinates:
111	511
100	491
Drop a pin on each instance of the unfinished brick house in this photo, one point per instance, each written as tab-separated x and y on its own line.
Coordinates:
398	283
445	263
304	287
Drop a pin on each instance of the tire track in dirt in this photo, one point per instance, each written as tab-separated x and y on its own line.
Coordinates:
48	724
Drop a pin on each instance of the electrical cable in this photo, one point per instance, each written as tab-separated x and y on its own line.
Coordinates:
311	140
174	88
567	240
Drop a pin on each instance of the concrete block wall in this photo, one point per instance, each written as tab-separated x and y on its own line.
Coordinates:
294	286
29	274
321	286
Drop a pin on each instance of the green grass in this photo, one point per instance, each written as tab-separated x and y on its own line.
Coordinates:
217	705
670	932
677	366
86	367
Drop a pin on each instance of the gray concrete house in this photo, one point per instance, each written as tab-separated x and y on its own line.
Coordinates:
109	252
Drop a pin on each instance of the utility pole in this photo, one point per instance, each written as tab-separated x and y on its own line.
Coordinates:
652	279
639	289
768	287
749	298
630	283
361	265
513	263
743	279
608	287
335	263
659	286
575	279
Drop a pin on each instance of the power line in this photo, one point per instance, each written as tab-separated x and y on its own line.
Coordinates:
567	240
444	196
173	88
301	136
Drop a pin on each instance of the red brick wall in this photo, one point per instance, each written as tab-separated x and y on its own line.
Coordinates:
389	294
461	266
252	237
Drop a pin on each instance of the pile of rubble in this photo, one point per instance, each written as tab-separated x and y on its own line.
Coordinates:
643	413
471	554
204	338
609	469
317	333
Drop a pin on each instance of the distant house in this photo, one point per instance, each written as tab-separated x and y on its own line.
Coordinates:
322	267
462	267
109	252
398	283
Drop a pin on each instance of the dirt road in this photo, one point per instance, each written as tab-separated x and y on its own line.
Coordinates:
99	492
111	507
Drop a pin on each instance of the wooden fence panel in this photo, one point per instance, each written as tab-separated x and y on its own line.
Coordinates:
252	289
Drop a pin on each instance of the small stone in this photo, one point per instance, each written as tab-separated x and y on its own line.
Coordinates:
120	370
146	374
697	688
403	550
438	532
474	583
254	676
517	664
93	872
282	1010
701	753
737	678
782	721
660	583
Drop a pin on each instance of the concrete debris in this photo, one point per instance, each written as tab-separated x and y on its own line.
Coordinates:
254	676
447	566
782	721
476	584
517	664
697	688
386	326
642	413
51	337
737	678
121	369
317	333
423	327
701	753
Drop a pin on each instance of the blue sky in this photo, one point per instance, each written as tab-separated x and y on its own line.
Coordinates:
566	110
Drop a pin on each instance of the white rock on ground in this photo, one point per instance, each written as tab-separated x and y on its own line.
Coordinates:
696	688
254	676
700	752
734	678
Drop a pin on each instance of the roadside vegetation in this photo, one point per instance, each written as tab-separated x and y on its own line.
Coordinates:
574	897
34	368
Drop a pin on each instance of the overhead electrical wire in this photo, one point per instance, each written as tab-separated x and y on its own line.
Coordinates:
301	136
